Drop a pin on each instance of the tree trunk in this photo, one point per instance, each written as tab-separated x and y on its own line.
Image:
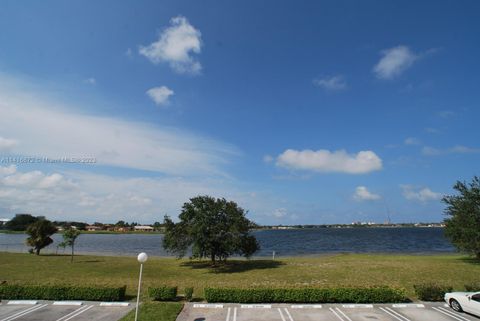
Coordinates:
213	259
478	255
37	251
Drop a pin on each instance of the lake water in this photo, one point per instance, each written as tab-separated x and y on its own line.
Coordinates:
283	242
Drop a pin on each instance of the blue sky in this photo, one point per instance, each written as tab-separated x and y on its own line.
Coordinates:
304	113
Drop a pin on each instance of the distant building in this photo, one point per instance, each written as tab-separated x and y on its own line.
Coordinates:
93	228
143	228
122	229
4	221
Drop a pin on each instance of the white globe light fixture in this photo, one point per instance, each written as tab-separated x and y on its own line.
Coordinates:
141	258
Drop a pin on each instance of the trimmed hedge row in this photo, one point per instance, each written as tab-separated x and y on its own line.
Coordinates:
472	287
306	295
431	291
58	292
163	293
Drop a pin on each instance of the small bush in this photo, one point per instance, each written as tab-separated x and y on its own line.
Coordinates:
472	287
188	294
163	293
60	292
431	291
306	295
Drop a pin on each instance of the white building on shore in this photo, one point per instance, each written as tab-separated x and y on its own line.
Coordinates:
143	228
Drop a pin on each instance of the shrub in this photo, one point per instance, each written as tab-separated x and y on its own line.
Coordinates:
60	292
306	295
163	293
473	287
188	294
431	291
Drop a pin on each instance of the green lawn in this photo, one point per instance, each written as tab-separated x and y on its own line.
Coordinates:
156	311
333	270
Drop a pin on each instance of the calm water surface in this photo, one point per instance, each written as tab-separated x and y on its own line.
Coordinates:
283	242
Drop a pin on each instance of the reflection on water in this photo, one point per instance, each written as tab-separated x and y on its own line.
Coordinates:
283	242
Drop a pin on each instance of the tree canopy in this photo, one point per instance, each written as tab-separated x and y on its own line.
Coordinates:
462	226
40	233
21	221
69	237
211	228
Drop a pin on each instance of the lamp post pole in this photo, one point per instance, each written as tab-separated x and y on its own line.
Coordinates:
142	258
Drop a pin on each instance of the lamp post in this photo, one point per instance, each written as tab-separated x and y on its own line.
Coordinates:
142	258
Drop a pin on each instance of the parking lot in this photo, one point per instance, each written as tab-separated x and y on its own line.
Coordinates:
326	312
62	310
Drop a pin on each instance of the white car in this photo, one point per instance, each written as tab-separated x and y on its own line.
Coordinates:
464	301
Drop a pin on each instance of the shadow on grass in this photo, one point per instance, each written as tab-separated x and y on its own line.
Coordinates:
234	266
470	260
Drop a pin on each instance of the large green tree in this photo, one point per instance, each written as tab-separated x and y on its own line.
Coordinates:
211	228
21	221
462	226
69	237
39	234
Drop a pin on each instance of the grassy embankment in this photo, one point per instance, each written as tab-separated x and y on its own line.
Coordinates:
158	311
326	271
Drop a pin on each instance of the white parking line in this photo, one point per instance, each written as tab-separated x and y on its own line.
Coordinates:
401	316
281	314
228	314
79	312
25	312
336	314
343	314
450	314
393	315
235	314
73	312
453	313
31	308
288	313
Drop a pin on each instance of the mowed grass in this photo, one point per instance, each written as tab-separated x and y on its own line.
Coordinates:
325	271
157	311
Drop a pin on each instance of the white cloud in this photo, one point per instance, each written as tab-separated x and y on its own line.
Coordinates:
129	53
179	164
96	197
412	141
363	194
90	81
432	130
268	158
160	95
333	83
7	144
26	114
280	213
176	46
424	194
34	179
8	170
394	61
326	161
458	149
446	114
